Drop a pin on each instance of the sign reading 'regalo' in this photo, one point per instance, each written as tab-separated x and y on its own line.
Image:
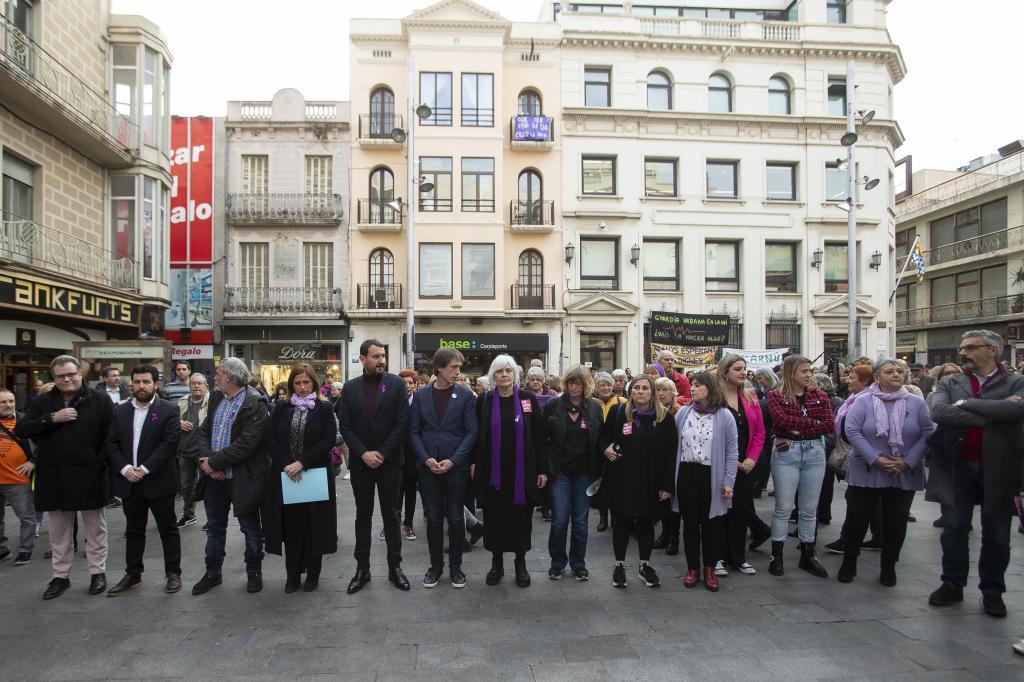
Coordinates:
192	191
682	329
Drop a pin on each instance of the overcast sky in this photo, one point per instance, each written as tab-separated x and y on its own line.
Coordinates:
952	106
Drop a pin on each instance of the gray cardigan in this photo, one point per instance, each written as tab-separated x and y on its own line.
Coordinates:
725	454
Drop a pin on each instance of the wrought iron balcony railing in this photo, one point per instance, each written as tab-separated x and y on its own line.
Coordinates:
277	300
375	296
975	246
28	242
962	311
378	126
533	297
285	208
537	213
377	212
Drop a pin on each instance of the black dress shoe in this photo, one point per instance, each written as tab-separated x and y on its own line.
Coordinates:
209	581
360	579
128	582
98	584
398	579
255	582
173	584
292	583
673	547
56	588
312	582
602	525
992	603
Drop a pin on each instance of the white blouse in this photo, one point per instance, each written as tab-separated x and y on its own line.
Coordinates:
695	438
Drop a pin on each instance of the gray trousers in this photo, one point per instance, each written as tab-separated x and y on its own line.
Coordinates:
22	501
187	469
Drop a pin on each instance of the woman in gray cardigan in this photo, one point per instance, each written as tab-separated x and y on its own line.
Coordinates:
887	427
706	462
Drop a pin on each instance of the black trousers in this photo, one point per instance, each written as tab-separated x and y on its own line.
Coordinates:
410	478
387	480
734	535
136	512
701	535
860	506
623	528
298	542
825	496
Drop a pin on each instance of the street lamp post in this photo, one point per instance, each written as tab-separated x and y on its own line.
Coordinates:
853	330
410	239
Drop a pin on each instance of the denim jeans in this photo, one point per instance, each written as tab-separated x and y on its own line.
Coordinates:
801	465
22	502
569	501
217	501
443	496
995	533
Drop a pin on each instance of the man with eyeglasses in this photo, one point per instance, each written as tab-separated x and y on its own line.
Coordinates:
976	459
69	426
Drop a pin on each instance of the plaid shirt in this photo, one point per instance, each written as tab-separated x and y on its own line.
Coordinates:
223	418
811	417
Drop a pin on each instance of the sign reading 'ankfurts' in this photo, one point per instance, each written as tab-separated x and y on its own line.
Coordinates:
689	330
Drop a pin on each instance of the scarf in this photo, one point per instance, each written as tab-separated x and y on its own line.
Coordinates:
645	413
303	404
519	492
883	426
841	414
706	409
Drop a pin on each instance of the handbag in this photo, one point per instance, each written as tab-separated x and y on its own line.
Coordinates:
839	459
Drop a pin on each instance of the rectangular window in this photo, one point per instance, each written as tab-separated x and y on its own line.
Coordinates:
780	267
599	263
150	105
478	185
597	87
600	350
149	241
994	281
993	216
318	262
837	279
781	181
17	189
661	265
903	298
125	64
835	11
435	270
478	99
438	171
722	262
943	290
122	216
478	270
837	95
436	93
254	268
721	178
255	173
319	172
782	334
836	182
660	177
599	175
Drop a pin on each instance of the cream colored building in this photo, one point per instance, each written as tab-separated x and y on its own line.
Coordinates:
84	130
489	243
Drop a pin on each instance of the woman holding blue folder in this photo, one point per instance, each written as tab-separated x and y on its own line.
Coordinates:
300	436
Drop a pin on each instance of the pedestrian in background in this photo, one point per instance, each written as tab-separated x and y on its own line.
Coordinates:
192	411
17	462
610	400
410	472
665	390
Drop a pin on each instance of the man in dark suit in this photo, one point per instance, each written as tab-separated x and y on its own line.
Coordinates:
142	446
374	416
111	384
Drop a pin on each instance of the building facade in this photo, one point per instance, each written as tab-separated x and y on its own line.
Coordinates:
286	268
84	130
486	218
971	227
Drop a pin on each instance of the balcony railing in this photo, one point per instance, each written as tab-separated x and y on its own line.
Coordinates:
378	296
533	297
24	59
28	242
975	246
539	213
439	116
430	205
531	129
478	205
285	208
273	300
962	311
961	184
477	117
377	212
264	111
378	126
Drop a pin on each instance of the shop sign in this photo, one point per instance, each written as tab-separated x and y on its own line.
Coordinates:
191	352
689	330
427	343
29	294
758	358
296	352
121	352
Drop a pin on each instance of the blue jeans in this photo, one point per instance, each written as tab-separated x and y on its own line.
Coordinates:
217	502
569	501
801	465
443	497
995	533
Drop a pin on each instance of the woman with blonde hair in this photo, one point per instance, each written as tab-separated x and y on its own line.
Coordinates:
666	391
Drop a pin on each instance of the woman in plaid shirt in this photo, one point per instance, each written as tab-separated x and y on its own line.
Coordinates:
801	416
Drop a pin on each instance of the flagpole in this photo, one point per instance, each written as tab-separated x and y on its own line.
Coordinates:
899	278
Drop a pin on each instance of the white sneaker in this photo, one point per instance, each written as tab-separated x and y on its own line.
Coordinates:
1019	647
746	569
347	476
720	568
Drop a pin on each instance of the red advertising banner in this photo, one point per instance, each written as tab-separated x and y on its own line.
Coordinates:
192	194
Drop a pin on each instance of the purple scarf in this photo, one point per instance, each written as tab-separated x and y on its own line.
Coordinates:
637	414
883	425
303	404
705	409
519	494
841	414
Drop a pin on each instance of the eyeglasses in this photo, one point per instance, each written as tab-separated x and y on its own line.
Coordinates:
970	347
65	377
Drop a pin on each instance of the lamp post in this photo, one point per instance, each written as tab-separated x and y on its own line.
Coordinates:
853	330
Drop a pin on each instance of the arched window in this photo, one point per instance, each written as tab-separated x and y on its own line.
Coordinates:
529	206
529	104
719	93
381	294
382	191
382	112
659	91
779	101
530	284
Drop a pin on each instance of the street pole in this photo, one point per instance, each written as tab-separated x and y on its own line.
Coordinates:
410	204
853	331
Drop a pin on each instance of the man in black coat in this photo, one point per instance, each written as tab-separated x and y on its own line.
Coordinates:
374	416
70	426
142	445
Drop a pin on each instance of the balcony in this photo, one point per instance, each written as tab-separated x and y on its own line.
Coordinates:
961	185
991	243
271	301
962	311
374	215
531	216
536	133
38	246
36	87
285	209
378	296
375	130
533	297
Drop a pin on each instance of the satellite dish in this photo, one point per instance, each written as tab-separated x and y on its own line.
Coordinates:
398	135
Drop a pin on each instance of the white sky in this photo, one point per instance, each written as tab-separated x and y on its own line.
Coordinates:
959	100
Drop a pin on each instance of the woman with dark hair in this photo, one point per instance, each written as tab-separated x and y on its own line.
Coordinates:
281	392
299	436
409	473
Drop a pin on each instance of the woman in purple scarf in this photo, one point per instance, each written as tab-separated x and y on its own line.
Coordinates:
511	467
887	427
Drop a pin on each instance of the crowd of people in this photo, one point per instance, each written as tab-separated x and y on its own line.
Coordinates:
688	452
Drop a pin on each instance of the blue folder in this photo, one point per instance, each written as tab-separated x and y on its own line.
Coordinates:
312	487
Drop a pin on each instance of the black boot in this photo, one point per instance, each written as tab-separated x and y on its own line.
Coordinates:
602	523
775	561
672	548
809	561
522	575
497	570
661	542
848	571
